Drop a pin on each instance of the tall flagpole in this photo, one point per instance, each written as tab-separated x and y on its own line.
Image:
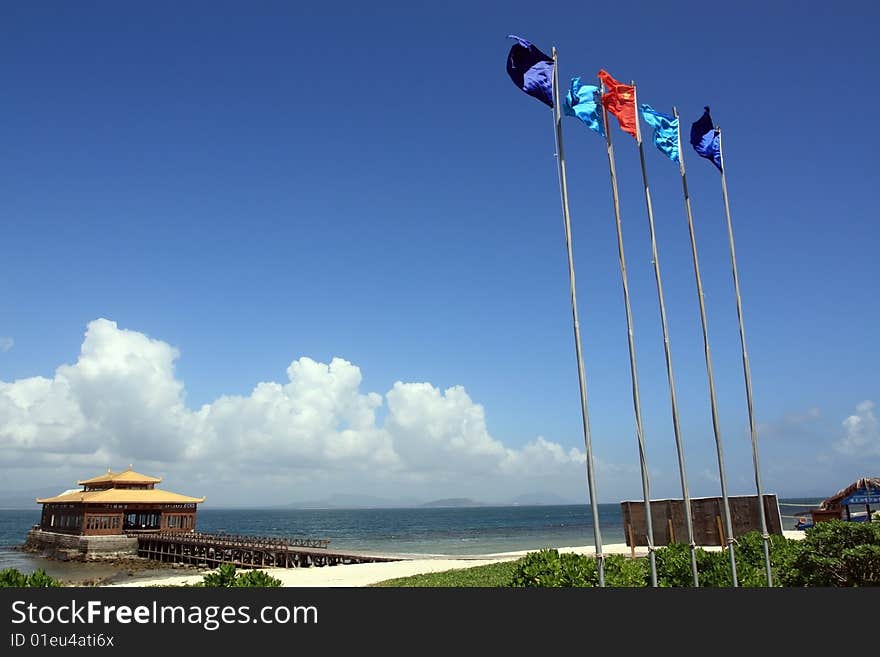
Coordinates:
655	257
716	426
746	370
637	405
563	188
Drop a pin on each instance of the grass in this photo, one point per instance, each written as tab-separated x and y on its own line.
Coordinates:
491	575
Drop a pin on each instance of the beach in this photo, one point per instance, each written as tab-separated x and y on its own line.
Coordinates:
367	574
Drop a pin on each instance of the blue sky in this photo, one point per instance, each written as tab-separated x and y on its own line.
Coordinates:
253	185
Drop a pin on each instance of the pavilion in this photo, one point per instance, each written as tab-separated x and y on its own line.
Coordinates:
118	503
864	491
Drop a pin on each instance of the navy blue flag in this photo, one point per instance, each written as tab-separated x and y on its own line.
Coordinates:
705	139
531	70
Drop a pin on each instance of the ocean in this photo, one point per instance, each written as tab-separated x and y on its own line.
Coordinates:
431	531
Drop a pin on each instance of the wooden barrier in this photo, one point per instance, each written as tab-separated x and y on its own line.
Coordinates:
707	514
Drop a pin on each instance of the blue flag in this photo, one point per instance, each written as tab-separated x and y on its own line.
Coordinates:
705	139
665	131
583	101
531	70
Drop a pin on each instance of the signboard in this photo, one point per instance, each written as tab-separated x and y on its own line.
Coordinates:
863	496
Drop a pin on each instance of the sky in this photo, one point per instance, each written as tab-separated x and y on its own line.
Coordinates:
274	252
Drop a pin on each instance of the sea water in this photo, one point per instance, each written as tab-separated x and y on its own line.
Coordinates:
430	531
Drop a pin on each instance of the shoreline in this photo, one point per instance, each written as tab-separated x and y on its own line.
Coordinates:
140	572
99	572
367	574
363	574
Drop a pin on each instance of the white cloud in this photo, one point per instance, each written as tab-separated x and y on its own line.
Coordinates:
121	403
6	343
862	432
542	458
792	426
440	431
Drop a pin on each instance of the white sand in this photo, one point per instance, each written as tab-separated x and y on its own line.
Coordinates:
364	574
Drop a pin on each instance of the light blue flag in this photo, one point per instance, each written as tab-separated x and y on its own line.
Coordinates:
665	131
582	101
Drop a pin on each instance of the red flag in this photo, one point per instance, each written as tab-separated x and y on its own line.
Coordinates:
620	100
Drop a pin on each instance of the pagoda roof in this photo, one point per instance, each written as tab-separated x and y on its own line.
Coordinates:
128	476
121	496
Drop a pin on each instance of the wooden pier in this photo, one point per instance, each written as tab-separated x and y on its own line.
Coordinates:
245	551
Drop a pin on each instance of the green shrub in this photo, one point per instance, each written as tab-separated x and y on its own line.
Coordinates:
622	571
538	569
39	579
713	568
835	553
492	575
862	565
548	568
674	565
259	578
578	570
750	566
226	577
11	577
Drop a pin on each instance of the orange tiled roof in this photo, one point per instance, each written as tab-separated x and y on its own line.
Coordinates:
128	476
121	496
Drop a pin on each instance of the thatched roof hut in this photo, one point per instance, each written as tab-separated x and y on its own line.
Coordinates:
865	490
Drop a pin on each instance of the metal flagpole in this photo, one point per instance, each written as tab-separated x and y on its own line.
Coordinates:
746	370
716	427
637	405
563	188
667	351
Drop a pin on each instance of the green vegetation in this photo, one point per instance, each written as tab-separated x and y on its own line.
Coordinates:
491	575
227	577
832	553
835	553
13	578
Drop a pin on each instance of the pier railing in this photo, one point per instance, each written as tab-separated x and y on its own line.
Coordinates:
234	540
246	551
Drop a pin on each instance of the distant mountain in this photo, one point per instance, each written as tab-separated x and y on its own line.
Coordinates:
346	501
540	499
452	502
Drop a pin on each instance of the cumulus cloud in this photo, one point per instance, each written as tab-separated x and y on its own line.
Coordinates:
861	432
6	343
121	402
433	430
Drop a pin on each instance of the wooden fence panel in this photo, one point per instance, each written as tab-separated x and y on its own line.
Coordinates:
669	526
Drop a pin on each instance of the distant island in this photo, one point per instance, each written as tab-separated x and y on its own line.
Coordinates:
354	501
452	502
